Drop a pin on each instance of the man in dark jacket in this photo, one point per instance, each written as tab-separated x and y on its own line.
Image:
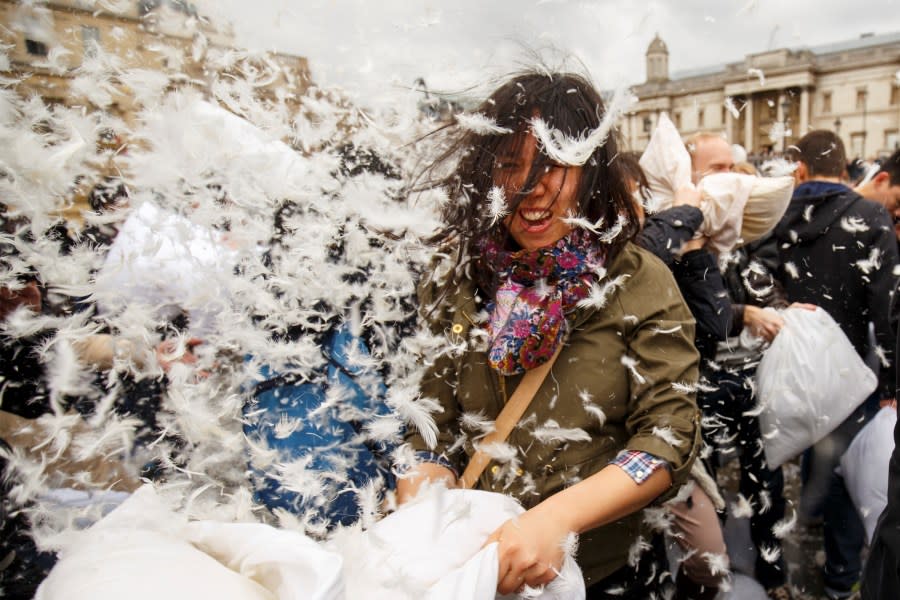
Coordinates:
727	401
838	251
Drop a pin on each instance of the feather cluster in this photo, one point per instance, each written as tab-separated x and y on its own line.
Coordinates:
265	227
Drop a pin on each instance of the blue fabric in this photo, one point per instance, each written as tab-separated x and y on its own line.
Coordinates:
438	459
302	422
818	188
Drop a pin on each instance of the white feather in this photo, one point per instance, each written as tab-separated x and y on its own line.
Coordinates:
741	509
668	436
497	205
480	124
783	528
601	291
631	364
753	72
551	432
577	151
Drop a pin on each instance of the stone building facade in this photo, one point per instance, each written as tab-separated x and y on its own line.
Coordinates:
107	57
50	44
771	99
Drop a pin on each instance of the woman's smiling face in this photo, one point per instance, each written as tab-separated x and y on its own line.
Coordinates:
537	220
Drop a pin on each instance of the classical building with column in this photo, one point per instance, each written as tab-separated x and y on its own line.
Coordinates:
48	44
103	57
770	99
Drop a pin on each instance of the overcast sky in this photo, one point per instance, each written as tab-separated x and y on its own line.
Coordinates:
370	46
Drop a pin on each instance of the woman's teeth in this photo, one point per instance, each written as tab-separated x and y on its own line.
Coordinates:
533	215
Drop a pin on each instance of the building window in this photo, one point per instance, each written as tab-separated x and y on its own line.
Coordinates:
861	99
677	120
36	48
90	40
724	116
826	102
648	124
856	144
701	118
895	95
891	140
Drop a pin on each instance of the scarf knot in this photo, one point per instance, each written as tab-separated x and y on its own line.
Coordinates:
537	289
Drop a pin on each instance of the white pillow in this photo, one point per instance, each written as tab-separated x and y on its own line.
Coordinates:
432	548
737	208
144	551
865	466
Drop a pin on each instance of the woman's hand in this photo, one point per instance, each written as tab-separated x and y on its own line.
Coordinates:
762	322
766	323
28	295
169	352
530	550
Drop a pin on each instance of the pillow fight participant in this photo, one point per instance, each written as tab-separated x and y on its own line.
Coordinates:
292	410
884	188
669	234
612	429
23	394
838	250
730	371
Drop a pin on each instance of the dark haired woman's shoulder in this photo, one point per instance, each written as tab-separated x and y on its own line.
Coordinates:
635	261
447	296
647	281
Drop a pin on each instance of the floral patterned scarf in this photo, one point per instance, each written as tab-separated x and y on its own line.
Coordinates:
537	289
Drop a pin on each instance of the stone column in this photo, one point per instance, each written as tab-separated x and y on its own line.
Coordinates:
749	127
729	126
781	144
804	113
779	109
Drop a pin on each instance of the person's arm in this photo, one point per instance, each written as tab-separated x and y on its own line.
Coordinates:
666	232
661	344
703	288
762	323
530	547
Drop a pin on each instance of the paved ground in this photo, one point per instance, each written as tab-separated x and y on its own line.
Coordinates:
803	549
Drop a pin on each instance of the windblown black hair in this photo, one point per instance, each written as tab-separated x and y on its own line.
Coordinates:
565	102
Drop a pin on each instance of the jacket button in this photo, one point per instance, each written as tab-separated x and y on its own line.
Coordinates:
457	328
495	469
519	472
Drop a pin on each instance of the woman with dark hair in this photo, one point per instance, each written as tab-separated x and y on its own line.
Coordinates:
542	271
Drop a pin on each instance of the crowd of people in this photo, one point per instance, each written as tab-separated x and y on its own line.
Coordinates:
581	330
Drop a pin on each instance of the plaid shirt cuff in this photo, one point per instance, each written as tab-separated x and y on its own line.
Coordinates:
638	465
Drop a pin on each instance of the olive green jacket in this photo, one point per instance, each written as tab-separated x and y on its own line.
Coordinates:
592	404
